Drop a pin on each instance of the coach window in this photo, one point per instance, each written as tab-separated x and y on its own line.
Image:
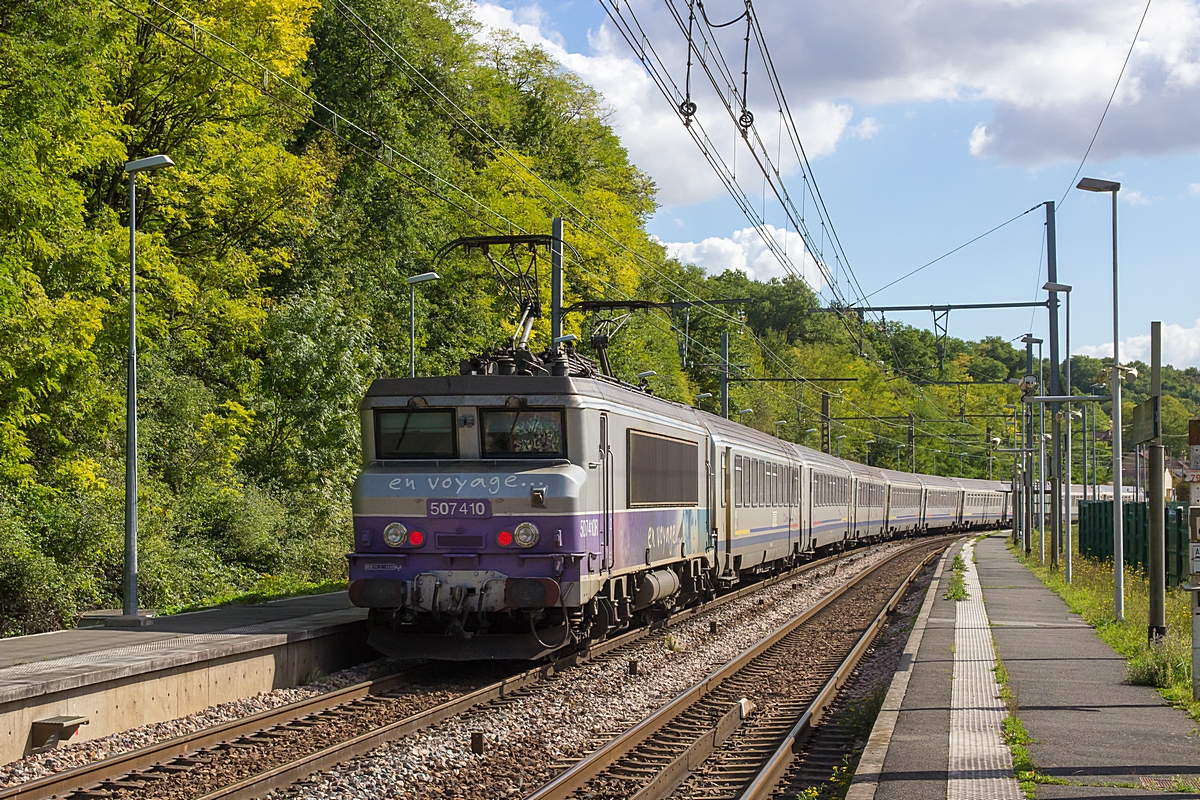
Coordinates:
746	496
523	433
738	495
662	471
424	433
724	480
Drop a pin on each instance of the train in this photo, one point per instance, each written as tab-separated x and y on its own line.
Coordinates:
501	515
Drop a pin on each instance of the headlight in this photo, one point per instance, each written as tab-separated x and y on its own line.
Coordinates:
526	534
395	535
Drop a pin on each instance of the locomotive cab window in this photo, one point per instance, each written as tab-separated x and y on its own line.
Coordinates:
662	471
414	434
523	433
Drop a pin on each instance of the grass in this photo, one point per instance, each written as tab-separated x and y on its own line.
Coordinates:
1167	667
957	589
268	587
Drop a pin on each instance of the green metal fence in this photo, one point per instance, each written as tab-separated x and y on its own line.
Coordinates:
1096	537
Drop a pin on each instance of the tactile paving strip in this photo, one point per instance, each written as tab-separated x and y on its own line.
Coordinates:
980	763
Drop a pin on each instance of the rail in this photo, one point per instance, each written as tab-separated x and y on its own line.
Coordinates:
667	778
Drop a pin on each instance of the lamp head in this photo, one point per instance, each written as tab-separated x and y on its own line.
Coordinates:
147	164
746	411
1097	185
423	277
647	374
811	430
703	395
1051	286
567	337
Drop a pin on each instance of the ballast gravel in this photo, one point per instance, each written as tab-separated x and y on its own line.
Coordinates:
71	755
531	736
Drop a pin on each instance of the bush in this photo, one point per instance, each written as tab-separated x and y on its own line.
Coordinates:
34	596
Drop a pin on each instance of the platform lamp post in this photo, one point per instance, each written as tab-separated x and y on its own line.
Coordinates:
779	422
899	450
1112	187
806	435
839	445
1065	484
867	448
129	607
1017	481
935	467
413	280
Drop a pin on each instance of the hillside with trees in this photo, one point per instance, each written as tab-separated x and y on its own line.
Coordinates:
323	153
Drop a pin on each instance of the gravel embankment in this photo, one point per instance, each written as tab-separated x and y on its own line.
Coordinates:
71	755
531	736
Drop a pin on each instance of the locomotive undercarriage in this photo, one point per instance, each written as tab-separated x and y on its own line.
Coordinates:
457	625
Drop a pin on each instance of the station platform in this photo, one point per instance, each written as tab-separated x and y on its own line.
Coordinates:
117	678
1094	736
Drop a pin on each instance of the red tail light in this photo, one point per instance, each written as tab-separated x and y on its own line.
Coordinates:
416	538
504	538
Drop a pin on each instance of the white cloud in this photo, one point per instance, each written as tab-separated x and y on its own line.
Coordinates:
866	129
746	250
1135	198
979	140
1194	188
1180	347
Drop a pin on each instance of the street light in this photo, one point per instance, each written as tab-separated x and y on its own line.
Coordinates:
935	455
412	317
129	607
1112	187
701	396
806	433
839	444
867	447
746	411
777	424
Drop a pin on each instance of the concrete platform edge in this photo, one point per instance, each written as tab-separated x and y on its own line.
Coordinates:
17	689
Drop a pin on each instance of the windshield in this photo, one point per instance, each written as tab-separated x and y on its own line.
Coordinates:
526	433
427	433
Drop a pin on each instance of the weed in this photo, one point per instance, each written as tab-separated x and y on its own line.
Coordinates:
957	589
315	675
860	715
674	643
1161	665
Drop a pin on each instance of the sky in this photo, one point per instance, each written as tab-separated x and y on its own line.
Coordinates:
927	124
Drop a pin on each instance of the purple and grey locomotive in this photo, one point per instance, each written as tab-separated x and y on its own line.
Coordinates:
507	516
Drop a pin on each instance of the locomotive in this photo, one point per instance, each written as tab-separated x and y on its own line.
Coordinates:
533	503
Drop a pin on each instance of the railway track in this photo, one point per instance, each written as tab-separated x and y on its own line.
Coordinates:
734	733
253	756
